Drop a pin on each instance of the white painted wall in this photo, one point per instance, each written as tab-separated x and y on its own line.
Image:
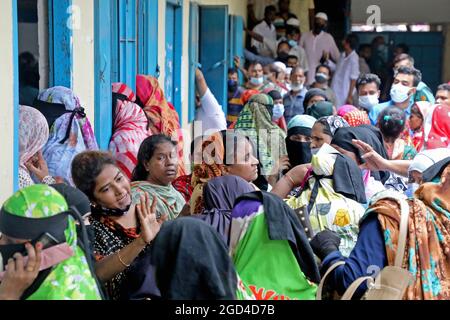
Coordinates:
83	55
7	105
410	11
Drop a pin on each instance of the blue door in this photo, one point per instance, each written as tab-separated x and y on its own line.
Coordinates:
193	56
148	38
174	40
214	50
127	42
236	46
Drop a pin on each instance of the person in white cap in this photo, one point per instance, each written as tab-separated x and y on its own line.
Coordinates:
319	44
285	15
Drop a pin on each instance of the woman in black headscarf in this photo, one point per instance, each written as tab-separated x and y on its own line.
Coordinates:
343	142
192	262
219	196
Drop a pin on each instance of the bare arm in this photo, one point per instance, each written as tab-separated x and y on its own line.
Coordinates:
290	180
200	82
350	91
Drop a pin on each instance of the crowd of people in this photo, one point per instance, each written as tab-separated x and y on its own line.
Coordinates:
307	184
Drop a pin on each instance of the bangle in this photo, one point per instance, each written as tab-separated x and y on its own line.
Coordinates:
292	180
121	261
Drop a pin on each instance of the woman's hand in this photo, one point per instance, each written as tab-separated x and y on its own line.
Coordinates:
146	214
19	277
373	161
38	166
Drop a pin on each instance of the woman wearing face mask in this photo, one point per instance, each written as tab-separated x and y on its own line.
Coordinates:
123	230
298	140
322	81
278	109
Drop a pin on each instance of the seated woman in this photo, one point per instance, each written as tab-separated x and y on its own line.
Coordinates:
426	251
130	128
156	169
343	142
267	240
321	109
298	140
192	262
221	154
392	122
33	135
122	231
334	196
70	134
59	271
420	122
219	195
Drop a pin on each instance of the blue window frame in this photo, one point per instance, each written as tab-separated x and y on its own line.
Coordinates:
193	56
174	45
103	97
236	46
148	38
60	44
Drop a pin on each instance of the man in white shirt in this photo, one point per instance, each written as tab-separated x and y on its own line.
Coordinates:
267	30
209	117
347	72
317	44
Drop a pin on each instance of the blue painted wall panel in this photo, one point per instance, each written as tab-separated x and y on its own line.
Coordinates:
193	56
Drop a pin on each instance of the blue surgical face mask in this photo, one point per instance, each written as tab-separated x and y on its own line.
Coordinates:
321	78
293	43
257	81
278	111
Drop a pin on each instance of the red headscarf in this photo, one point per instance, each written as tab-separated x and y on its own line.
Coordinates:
439	136
356	118
161	115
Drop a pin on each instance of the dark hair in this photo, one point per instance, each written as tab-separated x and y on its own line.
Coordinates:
323	66
326	127
410	71
352	40
416	111
146	152
403	46
231	140
364	46
254	63
312	93
232	71
282	42
403	56
392	122
292	30
293	57
269	9
368	78
87	166
443	87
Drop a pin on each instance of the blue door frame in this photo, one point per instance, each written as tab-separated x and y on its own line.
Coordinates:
15	56
236	46
174	47
60	43
103	96
148	38
193	56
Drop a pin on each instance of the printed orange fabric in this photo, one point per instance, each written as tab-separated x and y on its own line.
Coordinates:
161	115
357	118
208	164
428	241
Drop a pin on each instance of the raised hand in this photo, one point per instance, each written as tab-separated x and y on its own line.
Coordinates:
146	214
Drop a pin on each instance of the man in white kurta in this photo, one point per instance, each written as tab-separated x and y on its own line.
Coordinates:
267	30
317	44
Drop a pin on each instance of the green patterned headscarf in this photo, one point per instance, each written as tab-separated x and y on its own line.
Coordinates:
72	278
255	121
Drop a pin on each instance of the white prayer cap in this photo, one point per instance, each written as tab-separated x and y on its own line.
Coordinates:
280	65
322	15
293	22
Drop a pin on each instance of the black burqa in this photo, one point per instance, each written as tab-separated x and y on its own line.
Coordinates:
192	262
219	195
368	134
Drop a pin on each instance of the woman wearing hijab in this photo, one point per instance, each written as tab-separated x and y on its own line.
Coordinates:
426	249
320	109
420	123
219	196
129	129
33	135
343	142
255	121
357	118
123	231
156	169
439	134
270	250
192	262
63	271
313	96
342	111
221	154
70	134
298	140
333	197
161	115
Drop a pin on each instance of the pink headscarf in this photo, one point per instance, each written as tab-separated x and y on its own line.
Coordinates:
342	111
33	133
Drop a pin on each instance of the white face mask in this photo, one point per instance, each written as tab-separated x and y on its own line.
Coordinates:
278	111
257	81
297	87
369	101
399	93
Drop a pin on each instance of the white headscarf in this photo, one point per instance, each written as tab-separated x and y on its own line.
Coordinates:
33	133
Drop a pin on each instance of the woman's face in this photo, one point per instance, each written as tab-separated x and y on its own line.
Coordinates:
162	168
245	164
314	100
318	137
112	189
300	138
415	121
